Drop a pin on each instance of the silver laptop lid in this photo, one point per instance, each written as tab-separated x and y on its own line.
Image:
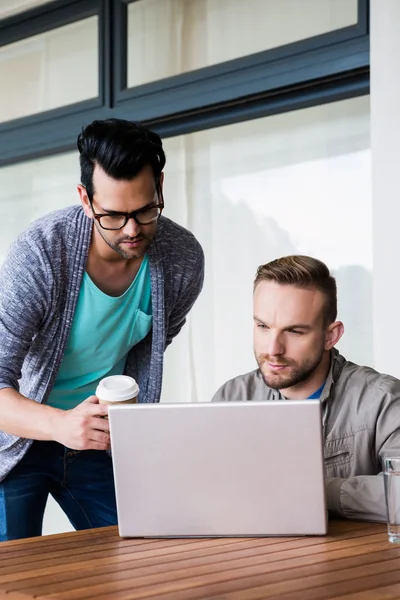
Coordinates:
216	469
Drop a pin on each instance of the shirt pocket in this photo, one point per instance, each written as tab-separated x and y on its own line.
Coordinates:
338	455
141	327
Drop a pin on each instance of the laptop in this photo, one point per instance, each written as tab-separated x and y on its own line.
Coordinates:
219	469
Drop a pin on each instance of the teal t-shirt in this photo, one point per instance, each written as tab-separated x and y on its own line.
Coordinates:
104	329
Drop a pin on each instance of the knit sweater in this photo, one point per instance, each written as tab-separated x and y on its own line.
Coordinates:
39	287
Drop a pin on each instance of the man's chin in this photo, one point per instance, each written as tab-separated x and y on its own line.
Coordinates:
132	253
275	382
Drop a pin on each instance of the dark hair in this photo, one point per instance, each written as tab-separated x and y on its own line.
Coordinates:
121	148
303	272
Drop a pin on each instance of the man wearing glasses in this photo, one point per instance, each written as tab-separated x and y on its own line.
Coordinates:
85	294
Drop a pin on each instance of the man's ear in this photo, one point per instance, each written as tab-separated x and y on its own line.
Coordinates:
333	334
85	200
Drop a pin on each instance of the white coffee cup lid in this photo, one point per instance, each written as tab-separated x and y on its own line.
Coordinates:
117	388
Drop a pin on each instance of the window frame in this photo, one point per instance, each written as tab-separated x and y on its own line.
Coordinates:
320	56
38	21
324	68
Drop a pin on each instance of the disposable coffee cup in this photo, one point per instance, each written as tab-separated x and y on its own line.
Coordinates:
117	389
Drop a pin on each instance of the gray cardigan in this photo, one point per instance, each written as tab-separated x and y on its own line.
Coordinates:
39	287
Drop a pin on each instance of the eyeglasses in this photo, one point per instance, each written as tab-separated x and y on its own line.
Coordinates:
117	220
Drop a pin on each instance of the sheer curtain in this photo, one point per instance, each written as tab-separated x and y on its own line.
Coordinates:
49	70
32	189
293	183
169	37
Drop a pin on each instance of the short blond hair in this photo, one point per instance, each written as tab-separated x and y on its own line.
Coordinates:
303	272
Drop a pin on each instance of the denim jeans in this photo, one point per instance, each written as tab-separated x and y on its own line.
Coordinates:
81	482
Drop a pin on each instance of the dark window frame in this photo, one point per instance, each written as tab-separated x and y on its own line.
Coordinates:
40	20
241	77
325	68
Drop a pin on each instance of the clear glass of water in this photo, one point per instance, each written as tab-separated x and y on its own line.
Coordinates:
391	475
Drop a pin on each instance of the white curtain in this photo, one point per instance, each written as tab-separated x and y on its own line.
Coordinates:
49	70
32	189
293	183
169	37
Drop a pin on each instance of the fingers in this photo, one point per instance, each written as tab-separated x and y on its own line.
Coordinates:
97	424
99	446
102	442
92	445
91	400
93	408
99	438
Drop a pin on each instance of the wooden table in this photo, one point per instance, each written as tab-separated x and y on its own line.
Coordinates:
355	561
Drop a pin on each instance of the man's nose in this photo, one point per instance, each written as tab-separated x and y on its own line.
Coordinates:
274	346
131	229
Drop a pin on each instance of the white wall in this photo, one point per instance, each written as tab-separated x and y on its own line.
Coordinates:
385	139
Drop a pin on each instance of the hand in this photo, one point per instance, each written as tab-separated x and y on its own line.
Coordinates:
81	428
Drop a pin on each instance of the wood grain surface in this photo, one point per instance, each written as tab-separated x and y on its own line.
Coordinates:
355	561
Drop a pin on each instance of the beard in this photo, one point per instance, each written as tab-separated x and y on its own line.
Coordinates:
294	373
125	252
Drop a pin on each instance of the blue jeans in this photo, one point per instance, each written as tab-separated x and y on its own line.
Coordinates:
81	482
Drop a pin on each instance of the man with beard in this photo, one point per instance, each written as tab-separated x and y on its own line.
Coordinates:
295	331
86	292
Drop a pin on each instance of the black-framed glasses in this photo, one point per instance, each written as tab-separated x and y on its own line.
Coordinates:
117	220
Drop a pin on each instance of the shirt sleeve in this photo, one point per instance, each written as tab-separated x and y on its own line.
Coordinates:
23	300
363	496
186	300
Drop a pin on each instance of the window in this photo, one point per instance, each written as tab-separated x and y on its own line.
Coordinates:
32	189
294	183
170	37
49	70
177	65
